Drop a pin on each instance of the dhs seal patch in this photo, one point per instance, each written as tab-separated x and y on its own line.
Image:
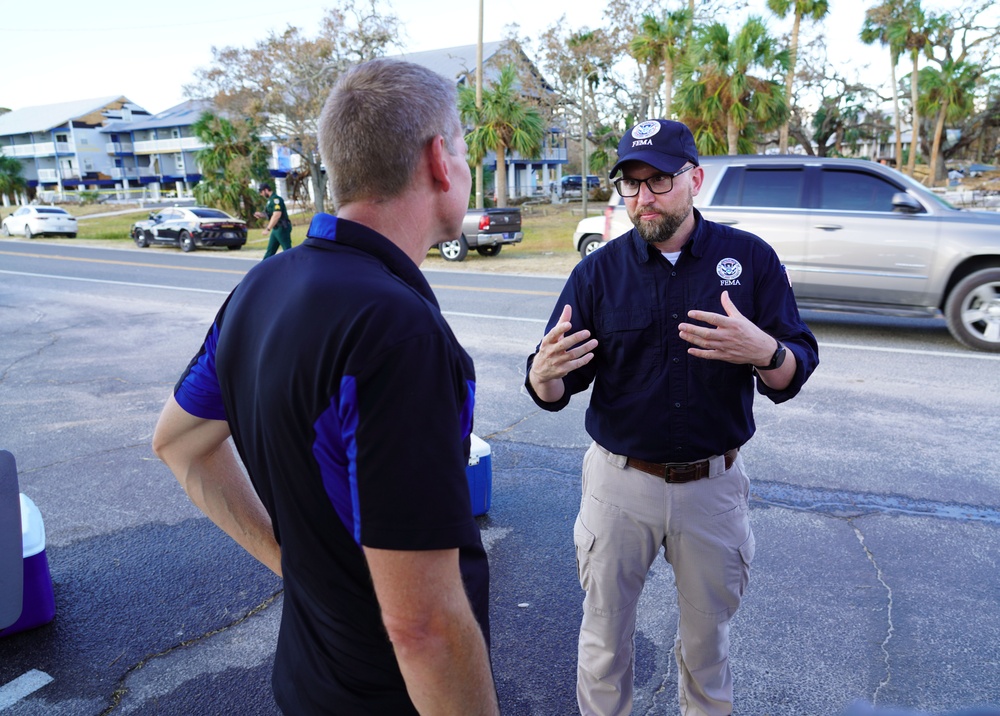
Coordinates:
729	271
645	130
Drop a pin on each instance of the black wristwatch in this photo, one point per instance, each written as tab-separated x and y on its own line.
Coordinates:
776	360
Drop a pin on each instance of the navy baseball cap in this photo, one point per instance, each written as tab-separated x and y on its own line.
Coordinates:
663	144
265	186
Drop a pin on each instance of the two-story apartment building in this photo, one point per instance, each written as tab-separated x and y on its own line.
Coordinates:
61	146
159	152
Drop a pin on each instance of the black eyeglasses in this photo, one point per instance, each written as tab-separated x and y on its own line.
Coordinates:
658	183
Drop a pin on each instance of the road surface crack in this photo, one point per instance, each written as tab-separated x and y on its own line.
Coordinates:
890	628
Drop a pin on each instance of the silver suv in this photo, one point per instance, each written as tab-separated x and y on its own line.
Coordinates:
857	236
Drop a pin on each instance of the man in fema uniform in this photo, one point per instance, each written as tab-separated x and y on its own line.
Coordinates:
675	324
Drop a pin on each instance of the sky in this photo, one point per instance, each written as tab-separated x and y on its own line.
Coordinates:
149	51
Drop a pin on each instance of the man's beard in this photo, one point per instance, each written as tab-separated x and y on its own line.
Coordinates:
663	228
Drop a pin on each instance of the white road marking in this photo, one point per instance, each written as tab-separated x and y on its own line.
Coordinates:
22	686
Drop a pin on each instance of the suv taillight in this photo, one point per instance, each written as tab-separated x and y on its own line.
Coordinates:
608	212
484	222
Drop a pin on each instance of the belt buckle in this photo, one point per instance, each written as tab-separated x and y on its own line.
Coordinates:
683	470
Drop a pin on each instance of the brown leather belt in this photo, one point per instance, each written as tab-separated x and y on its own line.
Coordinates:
680	471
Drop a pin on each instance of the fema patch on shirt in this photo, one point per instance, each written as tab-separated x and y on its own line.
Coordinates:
729	271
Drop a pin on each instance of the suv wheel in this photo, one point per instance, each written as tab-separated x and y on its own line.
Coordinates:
973	310
455	250
589	244
186	242
139	237
489	250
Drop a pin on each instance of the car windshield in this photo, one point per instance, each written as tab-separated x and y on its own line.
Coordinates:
210	214
46	210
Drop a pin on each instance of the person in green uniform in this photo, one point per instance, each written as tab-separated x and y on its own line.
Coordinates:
279	226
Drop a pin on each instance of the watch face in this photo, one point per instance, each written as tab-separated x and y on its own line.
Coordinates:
779	357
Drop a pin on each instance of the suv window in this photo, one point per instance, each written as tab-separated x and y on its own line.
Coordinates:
855	191
762	187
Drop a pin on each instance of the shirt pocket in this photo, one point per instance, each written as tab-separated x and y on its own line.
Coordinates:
630	348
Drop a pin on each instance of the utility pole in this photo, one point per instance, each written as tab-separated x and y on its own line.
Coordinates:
479	103
585	169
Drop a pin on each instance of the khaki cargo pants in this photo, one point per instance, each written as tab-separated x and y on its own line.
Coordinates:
625	517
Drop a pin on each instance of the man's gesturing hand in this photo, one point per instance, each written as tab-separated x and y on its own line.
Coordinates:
733	338
558	355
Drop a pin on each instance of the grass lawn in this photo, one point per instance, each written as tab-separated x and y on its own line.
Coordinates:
548	228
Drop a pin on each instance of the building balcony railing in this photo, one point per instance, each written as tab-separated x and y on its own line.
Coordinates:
168	146
118	147
50	176
40	149
547	155
19	150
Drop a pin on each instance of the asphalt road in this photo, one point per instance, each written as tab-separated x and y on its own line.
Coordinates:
875	506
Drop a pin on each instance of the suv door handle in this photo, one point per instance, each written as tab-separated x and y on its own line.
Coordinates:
829	227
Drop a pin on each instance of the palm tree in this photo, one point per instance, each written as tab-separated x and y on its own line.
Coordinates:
884	24
719	86
949	94
233	162
504	122
11	181
816	10
605	152
919	27
657	45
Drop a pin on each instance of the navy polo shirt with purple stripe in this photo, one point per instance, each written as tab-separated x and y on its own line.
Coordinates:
350	402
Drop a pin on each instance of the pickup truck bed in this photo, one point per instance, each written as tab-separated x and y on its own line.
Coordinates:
486	231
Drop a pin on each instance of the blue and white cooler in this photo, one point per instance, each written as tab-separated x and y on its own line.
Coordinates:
480	475
38	604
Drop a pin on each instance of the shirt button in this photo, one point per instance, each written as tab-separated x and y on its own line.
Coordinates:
673	273
677	360
673	315
677	405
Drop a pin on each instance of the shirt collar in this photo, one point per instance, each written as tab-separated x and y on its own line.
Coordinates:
326	229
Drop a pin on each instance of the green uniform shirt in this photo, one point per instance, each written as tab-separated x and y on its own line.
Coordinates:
276	203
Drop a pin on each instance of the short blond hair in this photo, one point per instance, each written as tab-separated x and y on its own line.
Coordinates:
377	121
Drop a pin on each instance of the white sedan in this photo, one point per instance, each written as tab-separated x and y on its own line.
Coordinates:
31	221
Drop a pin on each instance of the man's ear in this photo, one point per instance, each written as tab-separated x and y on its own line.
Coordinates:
437	154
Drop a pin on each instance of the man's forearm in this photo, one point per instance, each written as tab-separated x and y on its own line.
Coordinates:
199	454
447	671
220	489
437	641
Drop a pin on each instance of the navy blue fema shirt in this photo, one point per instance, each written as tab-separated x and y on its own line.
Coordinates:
651	400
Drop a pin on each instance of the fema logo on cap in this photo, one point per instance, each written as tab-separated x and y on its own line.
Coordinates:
729	269
645	130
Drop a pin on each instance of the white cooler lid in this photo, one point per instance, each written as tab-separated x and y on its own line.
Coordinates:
478	447
32	529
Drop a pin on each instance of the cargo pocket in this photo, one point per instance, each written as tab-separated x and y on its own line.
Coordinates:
584	541
747	550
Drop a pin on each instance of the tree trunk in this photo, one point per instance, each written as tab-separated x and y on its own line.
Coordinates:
936	148
732	136
318	179
668	85
915	132
895	113
793	52
501	176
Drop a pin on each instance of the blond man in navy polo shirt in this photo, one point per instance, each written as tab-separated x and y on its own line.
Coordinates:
350	403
